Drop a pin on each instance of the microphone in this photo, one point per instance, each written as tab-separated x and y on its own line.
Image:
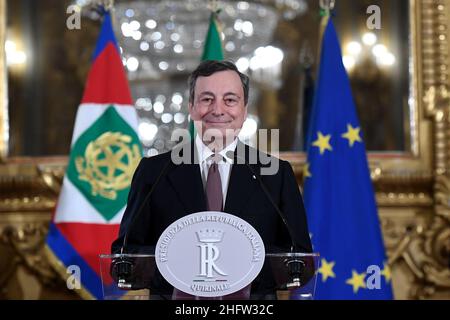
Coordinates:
123	267
295	265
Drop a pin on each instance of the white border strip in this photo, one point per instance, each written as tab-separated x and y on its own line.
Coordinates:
88	113
74	207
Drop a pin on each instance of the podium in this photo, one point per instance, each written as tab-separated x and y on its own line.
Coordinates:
136	277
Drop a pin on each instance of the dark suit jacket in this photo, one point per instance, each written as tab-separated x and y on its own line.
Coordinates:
180	192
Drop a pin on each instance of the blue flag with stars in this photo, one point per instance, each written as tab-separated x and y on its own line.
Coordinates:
338	193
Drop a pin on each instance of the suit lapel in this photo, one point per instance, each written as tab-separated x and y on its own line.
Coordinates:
187	182
240	187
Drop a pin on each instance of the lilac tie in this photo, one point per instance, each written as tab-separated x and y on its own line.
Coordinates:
214	194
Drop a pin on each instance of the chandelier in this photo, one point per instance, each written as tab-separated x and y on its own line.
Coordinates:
161	42
166	37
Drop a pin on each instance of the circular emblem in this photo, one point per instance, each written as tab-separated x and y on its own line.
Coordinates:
108	164
210	254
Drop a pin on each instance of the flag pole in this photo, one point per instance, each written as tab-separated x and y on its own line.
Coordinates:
108	5
215	26
213	6
326	6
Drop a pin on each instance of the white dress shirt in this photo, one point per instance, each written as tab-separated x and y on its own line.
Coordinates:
224	165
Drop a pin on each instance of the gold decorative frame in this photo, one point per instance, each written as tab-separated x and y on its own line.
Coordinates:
412	188
3	86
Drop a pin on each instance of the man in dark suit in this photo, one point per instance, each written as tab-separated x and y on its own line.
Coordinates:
218	105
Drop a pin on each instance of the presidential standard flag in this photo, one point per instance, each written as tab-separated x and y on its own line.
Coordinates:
212	50
338	193
105	150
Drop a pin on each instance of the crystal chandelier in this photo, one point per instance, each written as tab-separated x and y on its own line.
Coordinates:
161	42
168	36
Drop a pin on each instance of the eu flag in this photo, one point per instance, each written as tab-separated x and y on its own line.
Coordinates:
339	196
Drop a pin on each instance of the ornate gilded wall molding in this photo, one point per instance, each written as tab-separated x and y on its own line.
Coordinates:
32	185
3	87
28	196
426	250
24	235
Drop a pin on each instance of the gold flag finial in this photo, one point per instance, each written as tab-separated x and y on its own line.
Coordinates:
108	5
213	5
327	5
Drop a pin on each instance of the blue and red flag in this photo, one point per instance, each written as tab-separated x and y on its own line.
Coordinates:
105	150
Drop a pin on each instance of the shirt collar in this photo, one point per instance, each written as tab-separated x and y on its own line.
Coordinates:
204	152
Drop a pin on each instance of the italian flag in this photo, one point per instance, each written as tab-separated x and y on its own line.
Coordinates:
213	50
105	151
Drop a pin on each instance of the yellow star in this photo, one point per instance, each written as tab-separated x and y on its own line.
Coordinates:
306	172
323	142
386	273
357	281
352	135
326	270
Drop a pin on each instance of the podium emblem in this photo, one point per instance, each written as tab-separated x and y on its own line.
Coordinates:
210	254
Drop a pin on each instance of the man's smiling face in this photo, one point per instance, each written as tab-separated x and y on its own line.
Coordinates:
219	104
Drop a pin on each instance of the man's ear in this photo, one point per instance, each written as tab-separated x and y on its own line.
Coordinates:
191	110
